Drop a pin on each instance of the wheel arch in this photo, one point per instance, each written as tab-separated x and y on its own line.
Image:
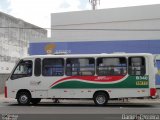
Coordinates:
101	91
23	90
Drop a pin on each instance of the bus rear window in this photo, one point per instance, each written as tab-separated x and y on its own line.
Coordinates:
136	66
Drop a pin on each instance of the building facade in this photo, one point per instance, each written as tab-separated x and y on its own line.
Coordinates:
14	42
129	29
14	38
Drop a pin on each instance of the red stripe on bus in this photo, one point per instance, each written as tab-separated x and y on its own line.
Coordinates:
102	79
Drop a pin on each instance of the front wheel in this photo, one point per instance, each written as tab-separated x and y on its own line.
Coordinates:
24	98
100	98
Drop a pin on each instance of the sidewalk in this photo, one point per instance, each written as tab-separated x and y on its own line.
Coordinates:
137	101
6	100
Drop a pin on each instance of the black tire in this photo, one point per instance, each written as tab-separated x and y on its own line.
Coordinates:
35	101
24	98
100	98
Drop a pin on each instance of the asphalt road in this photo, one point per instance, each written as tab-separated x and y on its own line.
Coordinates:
80	108
77	110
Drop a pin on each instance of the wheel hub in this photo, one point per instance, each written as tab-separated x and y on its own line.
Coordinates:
23	99
100	99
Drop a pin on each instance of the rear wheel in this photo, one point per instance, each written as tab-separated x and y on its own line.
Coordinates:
24	98
35	100
100	98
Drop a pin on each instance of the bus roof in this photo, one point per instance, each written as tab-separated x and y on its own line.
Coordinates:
88	55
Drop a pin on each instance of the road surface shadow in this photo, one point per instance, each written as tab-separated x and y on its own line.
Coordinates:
113	105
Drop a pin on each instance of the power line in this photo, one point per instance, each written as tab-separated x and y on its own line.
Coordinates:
112	29
109	29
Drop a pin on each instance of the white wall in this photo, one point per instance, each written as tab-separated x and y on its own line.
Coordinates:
14	42
141	17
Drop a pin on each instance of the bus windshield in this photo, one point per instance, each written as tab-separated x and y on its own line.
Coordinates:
23	69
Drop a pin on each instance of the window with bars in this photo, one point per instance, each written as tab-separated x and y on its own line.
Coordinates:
136	66
53	67
111	66
80	66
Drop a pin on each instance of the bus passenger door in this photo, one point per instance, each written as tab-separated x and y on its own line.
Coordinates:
38	88
46	73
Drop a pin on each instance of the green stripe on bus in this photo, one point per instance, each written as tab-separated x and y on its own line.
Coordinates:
130	82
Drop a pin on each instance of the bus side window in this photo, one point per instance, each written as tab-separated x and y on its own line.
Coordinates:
136	66
37	67
80	66
53	67
109	66
23	69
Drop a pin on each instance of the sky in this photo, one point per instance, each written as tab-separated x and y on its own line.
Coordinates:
38	12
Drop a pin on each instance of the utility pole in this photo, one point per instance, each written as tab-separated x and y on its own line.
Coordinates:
94	4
